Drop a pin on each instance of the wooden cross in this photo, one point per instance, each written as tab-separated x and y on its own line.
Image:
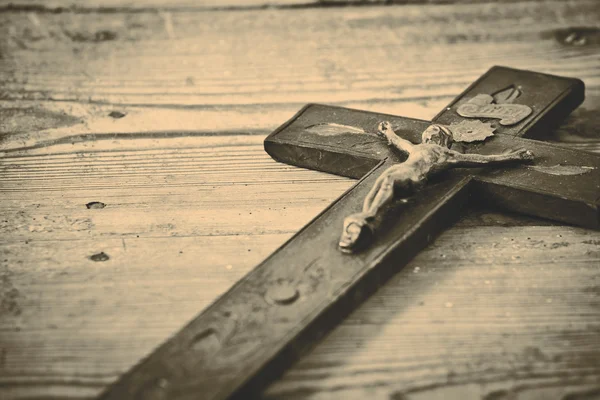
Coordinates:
253	332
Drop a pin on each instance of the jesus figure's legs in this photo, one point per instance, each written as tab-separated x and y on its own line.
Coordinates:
358	228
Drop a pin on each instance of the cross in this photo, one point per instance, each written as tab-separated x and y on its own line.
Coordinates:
248	336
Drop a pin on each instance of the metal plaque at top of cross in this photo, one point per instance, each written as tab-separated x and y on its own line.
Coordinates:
263	323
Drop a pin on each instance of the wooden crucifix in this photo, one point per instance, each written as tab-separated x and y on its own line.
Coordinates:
249	335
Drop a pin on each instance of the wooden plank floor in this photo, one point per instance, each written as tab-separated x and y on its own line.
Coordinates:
134	191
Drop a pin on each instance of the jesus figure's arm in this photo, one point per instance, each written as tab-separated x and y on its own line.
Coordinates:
385	129
478	160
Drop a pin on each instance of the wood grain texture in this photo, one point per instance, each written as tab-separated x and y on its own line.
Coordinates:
110	6
377	59
499	307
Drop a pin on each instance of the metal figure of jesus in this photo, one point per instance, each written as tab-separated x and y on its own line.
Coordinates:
431	156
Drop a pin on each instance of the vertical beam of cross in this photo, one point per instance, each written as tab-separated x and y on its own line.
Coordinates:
250	334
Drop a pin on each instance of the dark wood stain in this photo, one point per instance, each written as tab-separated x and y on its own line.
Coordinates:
23	120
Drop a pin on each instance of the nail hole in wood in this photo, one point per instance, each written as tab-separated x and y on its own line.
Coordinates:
102	256
206	341
95	205
116	114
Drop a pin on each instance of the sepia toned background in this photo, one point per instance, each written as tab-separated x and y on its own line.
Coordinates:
134	190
